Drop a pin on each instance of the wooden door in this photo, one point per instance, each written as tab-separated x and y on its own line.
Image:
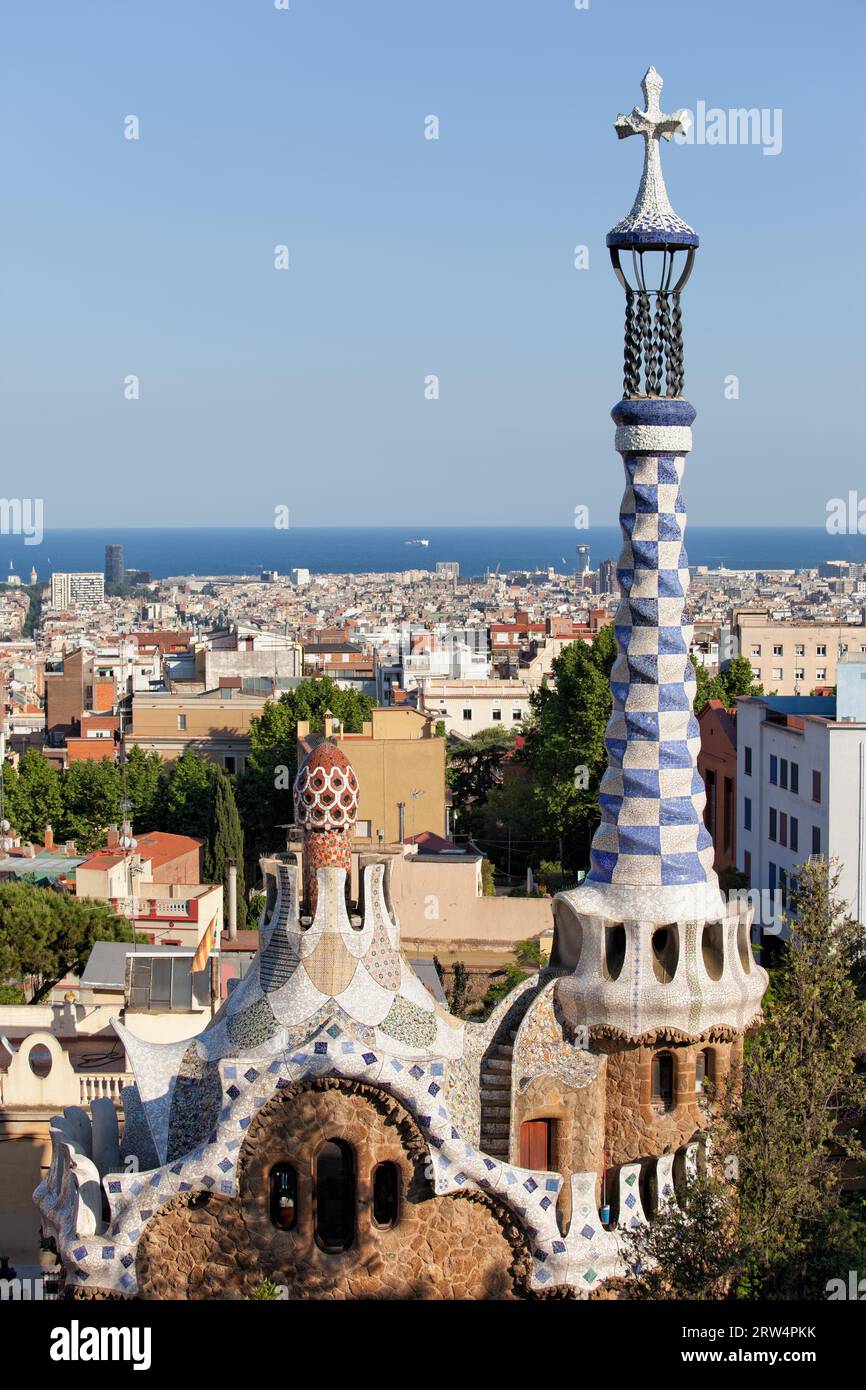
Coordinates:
536	1146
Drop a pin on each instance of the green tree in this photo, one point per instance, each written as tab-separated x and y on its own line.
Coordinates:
92	793
737	678
189	795
795	1125
146	786
529	952
225	845
488	882
565	750
35	593
265	789
32	796
511	830
507	980
45	935
460	989
689	1250
474	768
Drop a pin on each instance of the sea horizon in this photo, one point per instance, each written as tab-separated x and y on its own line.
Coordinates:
168	551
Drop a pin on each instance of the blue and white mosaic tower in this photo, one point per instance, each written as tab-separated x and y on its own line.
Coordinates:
651	856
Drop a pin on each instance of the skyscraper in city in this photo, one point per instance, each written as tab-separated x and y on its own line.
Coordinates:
114	564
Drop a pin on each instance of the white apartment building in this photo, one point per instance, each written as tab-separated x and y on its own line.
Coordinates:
411	655
69	589
467	707
801	786
790	658
131	669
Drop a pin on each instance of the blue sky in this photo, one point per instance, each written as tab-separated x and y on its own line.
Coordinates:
411	257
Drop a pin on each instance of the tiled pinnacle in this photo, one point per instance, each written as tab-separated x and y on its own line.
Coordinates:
652	796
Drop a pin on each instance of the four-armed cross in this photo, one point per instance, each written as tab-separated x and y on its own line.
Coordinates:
653	122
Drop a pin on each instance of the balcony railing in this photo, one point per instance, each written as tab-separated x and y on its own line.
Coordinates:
93	1085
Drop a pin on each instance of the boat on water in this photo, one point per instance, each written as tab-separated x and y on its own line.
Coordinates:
419	540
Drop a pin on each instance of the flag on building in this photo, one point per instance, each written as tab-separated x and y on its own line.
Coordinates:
204	948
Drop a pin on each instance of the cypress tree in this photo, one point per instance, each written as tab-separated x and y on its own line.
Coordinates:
225	844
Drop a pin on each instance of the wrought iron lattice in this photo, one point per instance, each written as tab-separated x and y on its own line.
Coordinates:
653	361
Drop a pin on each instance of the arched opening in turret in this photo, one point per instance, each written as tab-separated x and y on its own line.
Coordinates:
648	1187
567	936
744	946
284	1196
705	1070
335	1195
386	1195
665	952
614	951
663	1071
713	949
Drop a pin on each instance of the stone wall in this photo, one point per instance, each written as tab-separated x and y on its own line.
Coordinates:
463	1246
636	1126
578	1133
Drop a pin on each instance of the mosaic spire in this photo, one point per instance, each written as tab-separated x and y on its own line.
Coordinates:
652	835
653	947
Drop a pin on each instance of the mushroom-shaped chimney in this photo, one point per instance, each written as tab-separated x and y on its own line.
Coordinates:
326	807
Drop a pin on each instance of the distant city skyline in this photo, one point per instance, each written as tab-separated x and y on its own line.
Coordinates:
411	257
369	549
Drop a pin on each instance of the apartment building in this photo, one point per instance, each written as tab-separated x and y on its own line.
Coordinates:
68	589
801	786
467	707
156	886
68	692
508	640
409	656
214	723
790	658
717	764
250	653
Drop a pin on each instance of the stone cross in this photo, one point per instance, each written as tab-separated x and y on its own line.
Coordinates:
652	207
653	122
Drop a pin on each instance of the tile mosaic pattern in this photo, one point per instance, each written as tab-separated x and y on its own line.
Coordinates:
541	1047
652	796
409	1024
105	1259
195	1103
326	790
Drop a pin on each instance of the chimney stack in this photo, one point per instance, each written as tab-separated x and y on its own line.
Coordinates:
233	902
49	837
112	838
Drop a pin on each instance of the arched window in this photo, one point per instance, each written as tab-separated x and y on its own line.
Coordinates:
335	1195
705	1069
663	1080
386	1195
284	1196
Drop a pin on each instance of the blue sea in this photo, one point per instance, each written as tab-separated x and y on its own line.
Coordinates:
332	549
